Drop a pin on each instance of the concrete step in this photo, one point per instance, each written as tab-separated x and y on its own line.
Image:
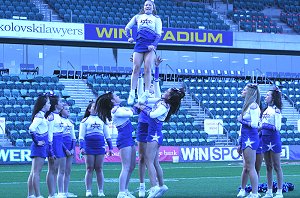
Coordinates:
79	91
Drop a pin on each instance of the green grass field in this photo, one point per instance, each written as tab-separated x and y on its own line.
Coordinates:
217	179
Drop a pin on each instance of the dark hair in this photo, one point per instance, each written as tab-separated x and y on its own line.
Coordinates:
276	97
154	8
174	100
87	112
53	101
39	104
104	106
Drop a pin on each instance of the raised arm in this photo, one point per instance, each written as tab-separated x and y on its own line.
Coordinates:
157	91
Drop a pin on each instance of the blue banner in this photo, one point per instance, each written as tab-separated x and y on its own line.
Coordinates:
21	155
15	155
173	36
294	152
200	154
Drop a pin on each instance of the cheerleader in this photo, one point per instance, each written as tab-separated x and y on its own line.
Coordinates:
149	28
161	112
109	103
57	161
249	140
39	133
142	128
258	162
271	124
69	143
93	132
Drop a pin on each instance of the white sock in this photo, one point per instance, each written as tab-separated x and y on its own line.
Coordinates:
132	91
142	185
279	191
147	92
270	191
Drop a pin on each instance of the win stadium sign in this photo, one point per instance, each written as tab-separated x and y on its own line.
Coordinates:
172	36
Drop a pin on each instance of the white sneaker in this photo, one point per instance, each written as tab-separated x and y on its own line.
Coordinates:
278	195
241	194
268	195
88	193
122	195
61	195
31	196
101	194
131	98
162	190
142	191
53	196
153	191
68	194
38	196
251	195
143	98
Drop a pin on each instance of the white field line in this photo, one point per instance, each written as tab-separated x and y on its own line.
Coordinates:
135	180
164	168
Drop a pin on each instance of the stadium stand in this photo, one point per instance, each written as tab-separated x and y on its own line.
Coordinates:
17	99
173	14
17	9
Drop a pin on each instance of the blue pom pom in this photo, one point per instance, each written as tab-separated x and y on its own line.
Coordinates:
290	186
248	188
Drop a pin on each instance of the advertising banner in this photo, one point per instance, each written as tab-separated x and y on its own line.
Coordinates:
173	36
21	155
41	30
166	154
15	155
213	126
294	152
198	154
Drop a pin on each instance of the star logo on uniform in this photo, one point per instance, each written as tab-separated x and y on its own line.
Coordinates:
270	146
95	125
248	143
147	21
68	128
155	137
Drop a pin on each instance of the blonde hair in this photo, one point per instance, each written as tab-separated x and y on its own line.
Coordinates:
252	96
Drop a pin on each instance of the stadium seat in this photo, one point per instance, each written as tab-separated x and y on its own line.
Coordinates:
19	143
28	142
